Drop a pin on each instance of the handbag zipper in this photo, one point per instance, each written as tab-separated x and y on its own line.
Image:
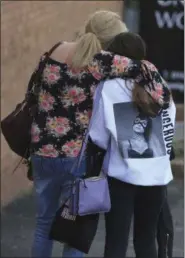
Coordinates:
95	178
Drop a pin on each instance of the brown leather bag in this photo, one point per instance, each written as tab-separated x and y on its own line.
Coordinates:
17	125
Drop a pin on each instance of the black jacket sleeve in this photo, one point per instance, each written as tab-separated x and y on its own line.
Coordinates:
95	156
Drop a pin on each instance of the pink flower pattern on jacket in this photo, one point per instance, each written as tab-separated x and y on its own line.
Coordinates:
82	118
35	133
46	101
58	126
65	100
150	65
120	64
72	148
75	72
51	74
157	93
73	96
48	151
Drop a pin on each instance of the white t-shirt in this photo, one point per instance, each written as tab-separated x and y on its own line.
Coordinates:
138	147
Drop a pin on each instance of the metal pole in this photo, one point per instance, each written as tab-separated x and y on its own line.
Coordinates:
131	15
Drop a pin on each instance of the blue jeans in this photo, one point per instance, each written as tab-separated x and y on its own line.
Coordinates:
52	182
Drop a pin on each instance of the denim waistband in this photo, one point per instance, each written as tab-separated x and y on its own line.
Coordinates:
64	159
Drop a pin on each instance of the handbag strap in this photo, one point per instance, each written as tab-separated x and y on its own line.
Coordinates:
53	48
36	76
97	97
33	82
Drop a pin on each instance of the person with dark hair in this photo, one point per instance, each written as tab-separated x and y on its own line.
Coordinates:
132	45
138	183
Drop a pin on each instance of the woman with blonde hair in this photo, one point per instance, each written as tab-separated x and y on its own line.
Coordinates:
65	100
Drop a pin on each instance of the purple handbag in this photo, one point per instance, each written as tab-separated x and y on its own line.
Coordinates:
89	195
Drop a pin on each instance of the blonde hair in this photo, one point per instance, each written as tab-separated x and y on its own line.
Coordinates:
100	29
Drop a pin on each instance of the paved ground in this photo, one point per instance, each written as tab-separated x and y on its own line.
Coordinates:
179	131
17	222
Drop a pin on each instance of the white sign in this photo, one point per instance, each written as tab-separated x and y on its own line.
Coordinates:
170	20
168	3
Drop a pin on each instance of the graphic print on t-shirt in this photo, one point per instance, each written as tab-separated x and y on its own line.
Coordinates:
138	135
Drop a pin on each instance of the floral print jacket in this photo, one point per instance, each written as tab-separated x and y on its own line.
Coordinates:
65	101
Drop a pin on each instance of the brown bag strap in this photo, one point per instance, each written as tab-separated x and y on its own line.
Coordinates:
53	48
34	81
36	76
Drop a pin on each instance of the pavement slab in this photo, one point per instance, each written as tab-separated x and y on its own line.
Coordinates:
18	219
179	131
